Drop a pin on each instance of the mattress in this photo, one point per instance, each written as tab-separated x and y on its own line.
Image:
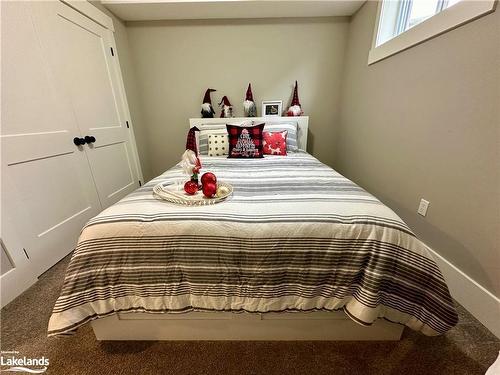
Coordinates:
295	236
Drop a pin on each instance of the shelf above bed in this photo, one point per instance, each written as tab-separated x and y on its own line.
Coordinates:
139	10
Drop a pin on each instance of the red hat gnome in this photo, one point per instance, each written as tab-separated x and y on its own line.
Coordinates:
227	108
249	106
207	110
295	108
191	140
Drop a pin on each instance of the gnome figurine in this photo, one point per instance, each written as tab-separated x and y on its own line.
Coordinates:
249	106
295	108
207	110
226	108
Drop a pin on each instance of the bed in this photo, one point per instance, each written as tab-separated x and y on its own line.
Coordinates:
298	252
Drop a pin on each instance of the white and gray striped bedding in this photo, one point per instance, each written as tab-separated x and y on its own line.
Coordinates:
295	236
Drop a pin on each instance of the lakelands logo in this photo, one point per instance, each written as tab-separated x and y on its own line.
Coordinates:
12	362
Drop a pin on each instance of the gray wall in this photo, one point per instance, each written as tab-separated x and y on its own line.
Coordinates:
425	123
176	61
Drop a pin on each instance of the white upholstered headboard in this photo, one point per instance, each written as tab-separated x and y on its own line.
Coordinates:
302	124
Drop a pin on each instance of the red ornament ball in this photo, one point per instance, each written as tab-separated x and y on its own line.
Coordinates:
209	189
191	187
208	177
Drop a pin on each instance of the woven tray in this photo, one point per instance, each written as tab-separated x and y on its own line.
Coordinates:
174	193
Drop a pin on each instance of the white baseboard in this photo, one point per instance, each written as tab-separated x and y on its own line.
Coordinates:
481	303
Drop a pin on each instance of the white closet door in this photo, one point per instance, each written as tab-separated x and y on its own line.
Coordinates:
81	54
47	189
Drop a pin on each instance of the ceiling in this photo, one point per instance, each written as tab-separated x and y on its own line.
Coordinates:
146	10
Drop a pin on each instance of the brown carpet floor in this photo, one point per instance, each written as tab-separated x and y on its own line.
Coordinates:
467	349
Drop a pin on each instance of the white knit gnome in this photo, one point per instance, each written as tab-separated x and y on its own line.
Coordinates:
249	106
295	108
226	108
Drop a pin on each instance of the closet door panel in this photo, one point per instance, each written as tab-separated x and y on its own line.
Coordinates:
47	188
87	74
115	158
59	207
80	53
26	147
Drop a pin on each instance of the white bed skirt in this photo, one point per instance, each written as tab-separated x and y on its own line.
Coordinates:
242	326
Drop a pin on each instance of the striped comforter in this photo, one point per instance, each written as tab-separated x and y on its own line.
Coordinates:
295	236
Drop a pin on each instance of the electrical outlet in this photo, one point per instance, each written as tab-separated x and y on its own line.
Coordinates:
422	207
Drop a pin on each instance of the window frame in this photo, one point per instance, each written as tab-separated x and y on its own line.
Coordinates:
448	19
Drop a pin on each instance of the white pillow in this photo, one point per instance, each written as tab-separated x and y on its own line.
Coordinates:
218	144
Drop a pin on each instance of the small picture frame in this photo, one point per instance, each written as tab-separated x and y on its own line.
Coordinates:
272	108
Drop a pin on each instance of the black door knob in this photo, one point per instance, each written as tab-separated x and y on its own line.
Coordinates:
89	139
78	141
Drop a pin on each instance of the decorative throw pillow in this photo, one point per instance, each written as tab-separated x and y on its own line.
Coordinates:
290	126
274	143
245	141
218	145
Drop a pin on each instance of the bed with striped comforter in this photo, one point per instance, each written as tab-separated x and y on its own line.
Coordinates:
295	236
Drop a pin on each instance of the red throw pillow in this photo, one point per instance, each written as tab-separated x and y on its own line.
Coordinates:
274	142
245	141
